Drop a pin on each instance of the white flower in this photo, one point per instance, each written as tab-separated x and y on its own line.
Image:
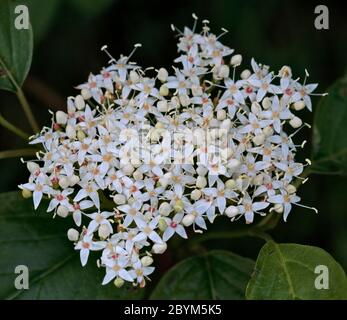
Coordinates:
87	244
174	226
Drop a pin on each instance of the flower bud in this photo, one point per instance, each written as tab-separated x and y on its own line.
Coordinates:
188	220
196	90
195	195
74	180
230	184
80	135
162	106
245	74
165	209
175	102
184	99
233	164
118	282
266	103
268	131
159	248
162	225
62	211
201	182
64	182
70	131
236	60
179	205
295	122
231	211
278	208
72	234
162	74
290	189
86	94
32	166
299	105
138	175
128	169
119	199
104	231
163	90
201	171
61	117
79	102
259	139
258	180
255	107
163	182
221	114
224	71
26	193
134	77
146	261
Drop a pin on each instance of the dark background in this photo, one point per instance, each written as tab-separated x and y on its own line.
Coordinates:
70	33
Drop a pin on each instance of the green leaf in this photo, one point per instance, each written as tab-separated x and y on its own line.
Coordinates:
330	136
213	275
287	271
39	242
91	7
16	48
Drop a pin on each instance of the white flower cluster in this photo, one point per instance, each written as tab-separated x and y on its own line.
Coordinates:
137	159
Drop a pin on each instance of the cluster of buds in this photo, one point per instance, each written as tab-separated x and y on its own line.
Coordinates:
139	158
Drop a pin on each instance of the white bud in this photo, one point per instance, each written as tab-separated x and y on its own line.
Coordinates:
266	103
135	161
196	90
159	248
134	77
70	131
255	107
221	114
163	182
295	122
201	182
162	106
231	211
128	169
179	205
214	123
138	175
80	135
79	102
165	209
86	94
74	180
268	131
224	71
64	182
195	194
146	261
32	166
278	208
119	199
61	117
104	231
290	189
184	99
230	184
118	282
259	139
285	72
258	180
226	124
162	74
233	164
62	211
299	105
164	90
188	220
245	74
236	60
201	171
72	234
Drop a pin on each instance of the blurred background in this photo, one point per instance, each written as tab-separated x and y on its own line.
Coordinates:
69	35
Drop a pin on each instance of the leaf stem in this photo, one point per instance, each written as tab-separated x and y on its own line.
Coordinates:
17	153
11	127
26	107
